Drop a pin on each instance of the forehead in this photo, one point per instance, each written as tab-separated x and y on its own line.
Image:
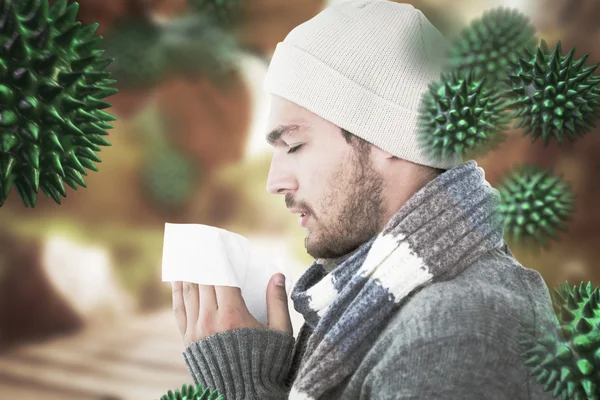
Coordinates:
285	131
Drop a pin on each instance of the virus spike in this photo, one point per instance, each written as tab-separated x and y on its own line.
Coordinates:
49	57
453	120
189	392
554	83
491	45
570	361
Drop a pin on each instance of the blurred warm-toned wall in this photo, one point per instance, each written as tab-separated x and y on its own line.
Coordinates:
212	125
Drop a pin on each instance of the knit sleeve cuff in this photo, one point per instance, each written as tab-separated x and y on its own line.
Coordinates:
243	364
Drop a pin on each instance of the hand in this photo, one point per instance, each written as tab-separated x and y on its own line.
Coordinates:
203	310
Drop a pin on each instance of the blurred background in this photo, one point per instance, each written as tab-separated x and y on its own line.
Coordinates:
84	313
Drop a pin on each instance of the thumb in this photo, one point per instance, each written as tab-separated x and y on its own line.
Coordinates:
277	306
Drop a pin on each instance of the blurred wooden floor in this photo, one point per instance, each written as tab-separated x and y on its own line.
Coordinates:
136	359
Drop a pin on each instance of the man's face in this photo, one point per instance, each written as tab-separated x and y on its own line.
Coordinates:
326	177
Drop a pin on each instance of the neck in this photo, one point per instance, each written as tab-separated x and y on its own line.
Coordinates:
400	187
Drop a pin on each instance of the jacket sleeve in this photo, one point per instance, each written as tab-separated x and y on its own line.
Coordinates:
243	364
457	346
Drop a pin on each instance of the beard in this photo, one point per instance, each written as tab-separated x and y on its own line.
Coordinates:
351	210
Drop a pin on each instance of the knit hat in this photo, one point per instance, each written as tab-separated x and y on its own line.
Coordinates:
364	65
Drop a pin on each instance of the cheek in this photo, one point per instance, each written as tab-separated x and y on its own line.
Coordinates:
313	189
324	192
321	178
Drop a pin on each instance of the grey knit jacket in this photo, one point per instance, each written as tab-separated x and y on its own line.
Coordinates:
433	307
456	339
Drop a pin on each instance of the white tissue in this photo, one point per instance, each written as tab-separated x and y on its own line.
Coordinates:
209	255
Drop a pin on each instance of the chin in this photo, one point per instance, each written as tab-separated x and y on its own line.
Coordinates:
309	245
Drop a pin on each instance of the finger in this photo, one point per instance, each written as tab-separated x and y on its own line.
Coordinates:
230	297
208	299
179	306
191	301
278	312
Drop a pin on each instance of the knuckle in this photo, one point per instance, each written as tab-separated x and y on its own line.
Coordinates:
229	318
205	320
189	339
229	326
178	311
229	314
187	288
279	295
205	331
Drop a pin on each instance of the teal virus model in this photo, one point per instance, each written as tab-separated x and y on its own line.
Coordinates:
189	392
534	204
555	96
169	178
460	115
491	45
52	82
225	13
135	45
195	46
566	358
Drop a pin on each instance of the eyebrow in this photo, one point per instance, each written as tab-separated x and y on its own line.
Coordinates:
284	130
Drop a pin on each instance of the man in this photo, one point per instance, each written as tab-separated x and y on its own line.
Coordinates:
413	293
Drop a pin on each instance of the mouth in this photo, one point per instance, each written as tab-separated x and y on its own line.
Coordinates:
303	218
304	215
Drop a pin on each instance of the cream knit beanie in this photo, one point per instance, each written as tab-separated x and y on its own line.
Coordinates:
364	65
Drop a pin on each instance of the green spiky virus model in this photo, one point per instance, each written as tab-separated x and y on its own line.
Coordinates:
534	204
135	45
193	44
555	96
491	45
189	392
52	82
168	178
566	358
460	115
225	13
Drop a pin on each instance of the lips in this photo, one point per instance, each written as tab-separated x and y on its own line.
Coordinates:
302	220
303	215
298	211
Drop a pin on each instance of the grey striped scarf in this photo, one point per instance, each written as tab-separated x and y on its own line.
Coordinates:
434	236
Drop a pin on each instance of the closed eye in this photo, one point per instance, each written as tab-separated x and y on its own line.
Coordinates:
294	149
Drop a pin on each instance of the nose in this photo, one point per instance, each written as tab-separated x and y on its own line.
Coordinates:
281	179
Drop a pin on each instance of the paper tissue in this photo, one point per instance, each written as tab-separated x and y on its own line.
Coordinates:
209	255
